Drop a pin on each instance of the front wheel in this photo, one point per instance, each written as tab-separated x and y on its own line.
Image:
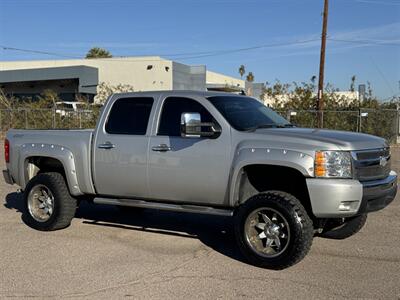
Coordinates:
273	230
48	204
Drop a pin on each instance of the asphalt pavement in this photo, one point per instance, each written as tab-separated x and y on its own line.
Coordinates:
145	254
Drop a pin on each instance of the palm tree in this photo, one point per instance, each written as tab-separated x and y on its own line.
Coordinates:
353	83
97	52
250	77
242	70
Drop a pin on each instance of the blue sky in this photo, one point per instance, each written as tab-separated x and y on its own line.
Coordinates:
168	27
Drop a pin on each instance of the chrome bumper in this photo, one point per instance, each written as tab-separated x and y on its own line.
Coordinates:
337	198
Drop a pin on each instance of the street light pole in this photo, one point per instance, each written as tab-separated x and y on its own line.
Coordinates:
320	100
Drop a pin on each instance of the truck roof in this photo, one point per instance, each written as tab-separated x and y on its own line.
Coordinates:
178	92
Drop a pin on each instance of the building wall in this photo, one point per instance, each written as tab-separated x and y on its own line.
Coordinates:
142	73
217	78
134	71
346	96
188	77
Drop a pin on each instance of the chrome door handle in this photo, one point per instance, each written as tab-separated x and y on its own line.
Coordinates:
161	148
106	145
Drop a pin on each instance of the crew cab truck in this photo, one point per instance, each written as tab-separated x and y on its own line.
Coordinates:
209	153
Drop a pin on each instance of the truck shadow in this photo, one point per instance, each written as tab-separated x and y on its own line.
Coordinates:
213	231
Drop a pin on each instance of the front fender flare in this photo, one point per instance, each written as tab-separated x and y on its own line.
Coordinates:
302	162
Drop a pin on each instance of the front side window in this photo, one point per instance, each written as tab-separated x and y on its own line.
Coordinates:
170	120
129	116
245	113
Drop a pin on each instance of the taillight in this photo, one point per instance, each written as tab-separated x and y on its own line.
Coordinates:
7	150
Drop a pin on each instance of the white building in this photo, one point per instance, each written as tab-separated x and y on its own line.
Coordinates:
70	78
345	96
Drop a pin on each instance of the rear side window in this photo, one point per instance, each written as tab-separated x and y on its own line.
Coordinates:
129	116
170	121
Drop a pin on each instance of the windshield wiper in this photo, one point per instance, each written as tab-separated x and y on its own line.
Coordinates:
270	125
285	125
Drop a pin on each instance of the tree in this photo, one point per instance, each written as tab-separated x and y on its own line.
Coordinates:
105	90
250	77
313	79
353	83
47	99
97	52
242	70
5	102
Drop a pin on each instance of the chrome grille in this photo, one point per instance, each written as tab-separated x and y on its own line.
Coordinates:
371	164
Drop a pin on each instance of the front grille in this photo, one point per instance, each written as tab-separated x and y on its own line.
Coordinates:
371	164
374	154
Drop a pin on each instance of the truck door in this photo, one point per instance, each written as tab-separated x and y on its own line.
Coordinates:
120	148
184	169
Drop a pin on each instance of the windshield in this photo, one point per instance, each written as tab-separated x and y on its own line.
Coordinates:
245	113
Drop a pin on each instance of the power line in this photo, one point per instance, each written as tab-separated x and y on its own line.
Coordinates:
378	2
181	56
382	75
367	42
223	52
37	52
202	54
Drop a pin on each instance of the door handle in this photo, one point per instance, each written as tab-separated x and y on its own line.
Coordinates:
161	148
106	145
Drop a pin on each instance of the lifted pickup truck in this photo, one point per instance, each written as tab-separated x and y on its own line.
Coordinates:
210	153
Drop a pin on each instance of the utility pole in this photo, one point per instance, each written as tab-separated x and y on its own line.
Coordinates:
320	100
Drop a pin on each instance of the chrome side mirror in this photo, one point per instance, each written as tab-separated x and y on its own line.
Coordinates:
191	126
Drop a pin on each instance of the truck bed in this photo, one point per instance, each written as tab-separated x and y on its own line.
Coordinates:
77	141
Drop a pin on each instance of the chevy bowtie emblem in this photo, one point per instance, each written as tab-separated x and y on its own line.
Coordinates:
383	161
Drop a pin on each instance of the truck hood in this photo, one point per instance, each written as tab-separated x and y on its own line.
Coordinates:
324	139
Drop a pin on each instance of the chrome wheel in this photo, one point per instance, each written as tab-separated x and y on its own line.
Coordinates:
40	203
267	232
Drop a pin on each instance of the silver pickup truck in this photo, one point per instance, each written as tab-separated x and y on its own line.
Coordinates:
209	153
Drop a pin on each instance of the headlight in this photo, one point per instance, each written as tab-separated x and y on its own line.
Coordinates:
335	164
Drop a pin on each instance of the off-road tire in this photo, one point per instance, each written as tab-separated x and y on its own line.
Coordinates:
64	204
300	224
340	229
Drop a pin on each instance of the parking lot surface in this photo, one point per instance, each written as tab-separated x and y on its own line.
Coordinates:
146	254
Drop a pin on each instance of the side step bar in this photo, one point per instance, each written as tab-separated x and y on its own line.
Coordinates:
166	206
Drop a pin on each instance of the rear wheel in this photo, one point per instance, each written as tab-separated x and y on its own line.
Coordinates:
273	230
48	204
343	228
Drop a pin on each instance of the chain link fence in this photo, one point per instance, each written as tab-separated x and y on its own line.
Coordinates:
383	123
47	119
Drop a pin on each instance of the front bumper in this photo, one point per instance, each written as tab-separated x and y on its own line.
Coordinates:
337	198
7	177
378	194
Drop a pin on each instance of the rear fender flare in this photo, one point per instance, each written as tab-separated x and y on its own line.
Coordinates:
58	152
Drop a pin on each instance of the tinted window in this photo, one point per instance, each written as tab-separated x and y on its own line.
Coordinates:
245	113
170	121
129	116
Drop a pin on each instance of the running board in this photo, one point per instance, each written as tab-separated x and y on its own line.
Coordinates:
166	206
